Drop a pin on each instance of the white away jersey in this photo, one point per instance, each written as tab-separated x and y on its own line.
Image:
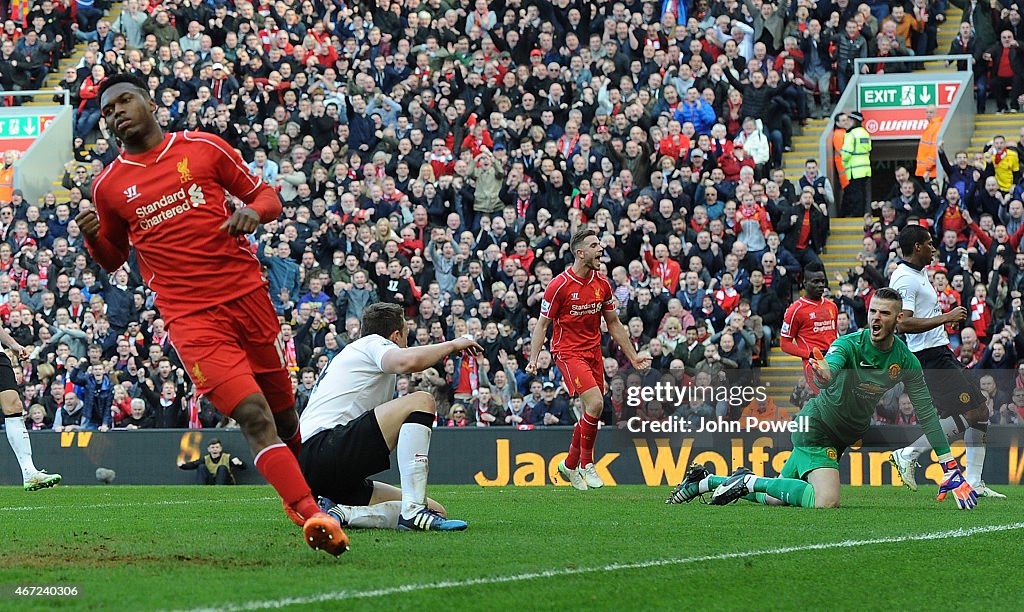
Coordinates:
919	296
353	383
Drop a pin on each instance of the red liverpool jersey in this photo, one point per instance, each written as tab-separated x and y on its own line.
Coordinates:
170	202
811	325
576	306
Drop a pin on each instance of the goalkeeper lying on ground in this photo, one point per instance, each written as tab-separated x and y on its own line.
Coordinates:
857	370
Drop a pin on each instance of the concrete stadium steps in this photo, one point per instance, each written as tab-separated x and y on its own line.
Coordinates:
846	237
53	79
55	76
58	187
782	376
988	126
947	32
844	243
805	146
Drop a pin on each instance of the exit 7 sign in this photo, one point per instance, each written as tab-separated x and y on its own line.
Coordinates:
895	95
18	132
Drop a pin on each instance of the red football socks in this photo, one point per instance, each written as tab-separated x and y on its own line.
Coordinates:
573	460
588	435
294	443
279	467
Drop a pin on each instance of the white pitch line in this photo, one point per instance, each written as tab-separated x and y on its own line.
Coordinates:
179	502
554	573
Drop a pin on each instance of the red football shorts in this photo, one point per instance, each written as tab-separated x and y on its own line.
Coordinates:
234	350
581	371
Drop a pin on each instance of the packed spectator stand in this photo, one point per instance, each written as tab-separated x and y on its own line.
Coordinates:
438	154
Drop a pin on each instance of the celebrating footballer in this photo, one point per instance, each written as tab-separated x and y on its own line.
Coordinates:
165	195
576	302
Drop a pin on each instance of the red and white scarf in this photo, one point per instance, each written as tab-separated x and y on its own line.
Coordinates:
980	317
977	309
290	360
567	145
193	413
481	410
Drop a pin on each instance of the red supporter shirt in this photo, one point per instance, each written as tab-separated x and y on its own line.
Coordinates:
953	220
674	146
576	306
948	300
1005	69
668	272
805	231
811	325
170	203
728	299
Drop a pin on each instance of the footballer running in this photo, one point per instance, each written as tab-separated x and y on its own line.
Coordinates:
960	402
12	405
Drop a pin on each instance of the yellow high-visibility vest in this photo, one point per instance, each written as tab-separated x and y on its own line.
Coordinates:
857	153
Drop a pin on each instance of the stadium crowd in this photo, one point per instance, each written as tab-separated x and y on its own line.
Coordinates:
438	154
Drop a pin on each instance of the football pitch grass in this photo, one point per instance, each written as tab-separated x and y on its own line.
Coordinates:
548	548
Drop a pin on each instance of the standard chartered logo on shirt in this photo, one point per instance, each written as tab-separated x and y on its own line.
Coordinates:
195	193
156	212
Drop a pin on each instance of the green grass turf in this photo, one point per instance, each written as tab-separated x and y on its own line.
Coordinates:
138	548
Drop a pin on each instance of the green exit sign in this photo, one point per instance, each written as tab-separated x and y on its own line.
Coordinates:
897	95
917	94
19	127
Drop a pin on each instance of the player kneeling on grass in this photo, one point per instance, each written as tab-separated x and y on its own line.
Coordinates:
857	370
351	424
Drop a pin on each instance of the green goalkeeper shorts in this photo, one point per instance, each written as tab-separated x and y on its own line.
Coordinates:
806	459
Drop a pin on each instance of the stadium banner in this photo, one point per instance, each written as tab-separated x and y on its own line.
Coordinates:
897	110
897	122
653	453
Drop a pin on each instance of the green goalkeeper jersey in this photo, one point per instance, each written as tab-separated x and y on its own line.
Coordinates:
861	374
